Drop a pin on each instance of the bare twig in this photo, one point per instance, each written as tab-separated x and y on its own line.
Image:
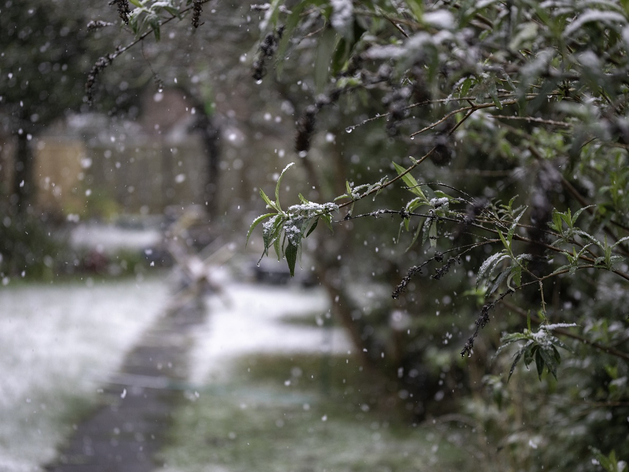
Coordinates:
482	321
106	60
533	119
469	110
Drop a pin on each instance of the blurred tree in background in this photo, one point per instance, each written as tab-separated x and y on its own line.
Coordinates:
44	55
472	158
44	58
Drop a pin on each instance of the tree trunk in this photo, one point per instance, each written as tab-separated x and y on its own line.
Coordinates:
210	134
23	185
211	137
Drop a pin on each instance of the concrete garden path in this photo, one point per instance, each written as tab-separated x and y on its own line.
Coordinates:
127	431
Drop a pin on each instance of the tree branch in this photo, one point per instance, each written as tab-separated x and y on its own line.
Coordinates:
606	349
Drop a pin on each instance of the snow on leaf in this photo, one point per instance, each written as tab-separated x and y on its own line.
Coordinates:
342	16
487	266
610	18
311	209
553	326
441	19
439	202
534	68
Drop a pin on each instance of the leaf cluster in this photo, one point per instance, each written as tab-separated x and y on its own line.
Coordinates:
148	16
539	347
284	230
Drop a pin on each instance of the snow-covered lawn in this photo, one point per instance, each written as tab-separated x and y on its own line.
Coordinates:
248	319
55	341
58	342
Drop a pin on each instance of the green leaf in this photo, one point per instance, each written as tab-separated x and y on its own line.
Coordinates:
609	463
255	223
417	8
556	356
155	24
504	241
516	359
415	236
272	232
576	215
556	224
515	275
514	227
410	181
440	194
539	362
529	353
289	27
488	266
327	219
268	201
325	50
312	227
549	361
415	203
291	256
403	224
277	247
277	186
428	222
340	56
432	234
272	15
561	344
501	278
513	337
620	241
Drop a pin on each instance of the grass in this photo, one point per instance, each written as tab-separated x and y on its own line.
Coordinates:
312	320
303	413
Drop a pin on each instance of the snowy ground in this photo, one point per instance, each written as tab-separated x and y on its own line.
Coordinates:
111	238
58	342
55	340
248	319
276	396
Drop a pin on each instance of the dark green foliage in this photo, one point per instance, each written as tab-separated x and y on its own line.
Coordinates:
27	248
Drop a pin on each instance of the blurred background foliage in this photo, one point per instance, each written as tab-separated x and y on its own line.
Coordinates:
522	102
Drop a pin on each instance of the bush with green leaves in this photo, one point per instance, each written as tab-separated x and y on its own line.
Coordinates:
516	199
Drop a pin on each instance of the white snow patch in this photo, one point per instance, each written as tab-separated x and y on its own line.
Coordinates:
550	327
342	15
252	323
54	341
441	19
599	16
111	238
